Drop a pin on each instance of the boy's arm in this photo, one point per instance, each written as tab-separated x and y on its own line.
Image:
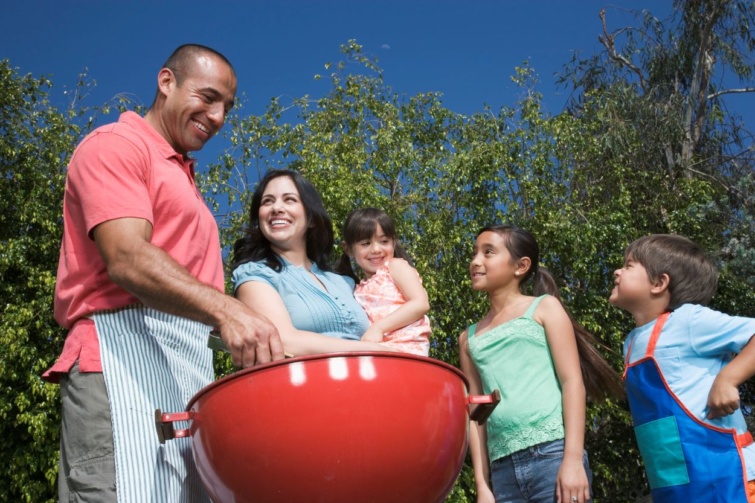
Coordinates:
723	398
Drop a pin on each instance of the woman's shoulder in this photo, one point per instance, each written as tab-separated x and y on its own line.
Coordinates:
253	271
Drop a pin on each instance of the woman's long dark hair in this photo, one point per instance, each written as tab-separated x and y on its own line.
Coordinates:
255	247
360	225
600	379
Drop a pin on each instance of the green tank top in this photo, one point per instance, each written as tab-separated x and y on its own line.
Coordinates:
515	359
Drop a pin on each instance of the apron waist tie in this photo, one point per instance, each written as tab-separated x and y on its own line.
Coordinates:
744	439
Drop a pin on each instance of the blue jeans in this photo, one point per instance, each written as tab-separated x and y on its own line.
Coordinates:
529	475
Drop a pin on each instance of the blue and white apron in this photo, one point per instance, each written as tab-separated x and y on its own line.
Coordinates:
152	360
685	459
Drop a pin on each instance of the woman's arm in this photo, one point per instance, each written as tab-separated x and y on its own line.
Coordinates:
478	449
416	306
559	331
263	298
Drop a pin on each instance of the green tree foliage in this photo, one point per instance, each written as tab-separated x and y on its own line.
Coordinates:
586	182
661	89
672	158
443	176
646	146
35	142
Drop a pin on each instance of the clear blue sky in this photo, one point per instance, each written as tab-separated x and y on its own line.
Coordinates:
465	49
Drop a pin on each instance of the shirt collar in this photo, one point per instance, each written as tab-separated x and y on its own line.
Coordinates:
163	147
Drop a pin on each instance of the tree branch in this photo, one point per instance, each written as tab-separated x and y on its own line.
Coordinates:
608	42
731	91
703	68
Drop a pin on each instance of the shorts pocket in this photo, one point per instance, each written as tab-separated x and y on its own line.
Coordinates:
92	480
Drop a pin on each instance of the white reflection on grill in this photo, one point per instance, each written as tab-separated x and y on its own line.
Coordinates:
339	369
367	368
296	373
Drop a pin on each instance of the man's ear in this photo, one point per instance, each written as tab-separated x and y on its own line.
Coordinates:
660	285
166	79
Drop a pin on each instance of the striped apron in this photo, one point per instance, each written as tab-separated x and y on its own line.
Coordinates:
686	460
152	360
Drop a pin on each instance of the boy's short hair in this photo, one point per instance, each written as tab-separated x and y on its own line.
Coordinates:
693	277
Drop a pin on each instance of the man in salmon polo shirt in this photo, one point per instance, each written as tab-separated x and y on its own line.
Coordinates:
140	286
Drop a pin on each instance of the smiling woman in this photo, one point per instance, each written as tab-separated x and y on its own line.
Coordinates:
282	269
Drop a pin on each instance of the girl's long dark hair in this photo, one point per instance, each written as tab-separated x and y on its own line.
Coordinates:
360	225
600	379
254	246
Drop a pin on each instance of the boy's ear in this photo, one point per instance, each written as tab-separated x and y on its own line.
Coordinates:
660	284
346	249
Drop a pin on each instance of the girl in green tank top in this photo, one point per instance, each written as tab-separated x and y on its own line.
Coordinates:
543	364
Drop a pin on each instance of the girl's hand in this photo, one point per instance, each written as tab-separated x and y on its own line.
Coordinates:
485	494
373	334
571	482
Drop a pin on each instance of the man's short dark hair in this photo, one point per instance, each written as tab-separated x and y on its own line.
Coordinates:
183	58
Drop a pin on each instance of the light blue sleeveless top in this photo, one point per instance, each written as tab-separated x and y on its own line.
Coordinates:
515	359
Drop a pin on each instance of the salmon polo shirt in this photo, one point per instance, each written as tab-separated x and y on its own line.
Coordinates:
125	170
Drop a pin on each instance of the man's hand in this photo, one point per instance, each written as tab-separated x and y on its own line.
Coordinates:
250	337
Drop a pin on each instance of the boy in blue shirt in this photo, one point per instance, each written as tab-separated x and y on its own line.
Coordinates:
684	363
